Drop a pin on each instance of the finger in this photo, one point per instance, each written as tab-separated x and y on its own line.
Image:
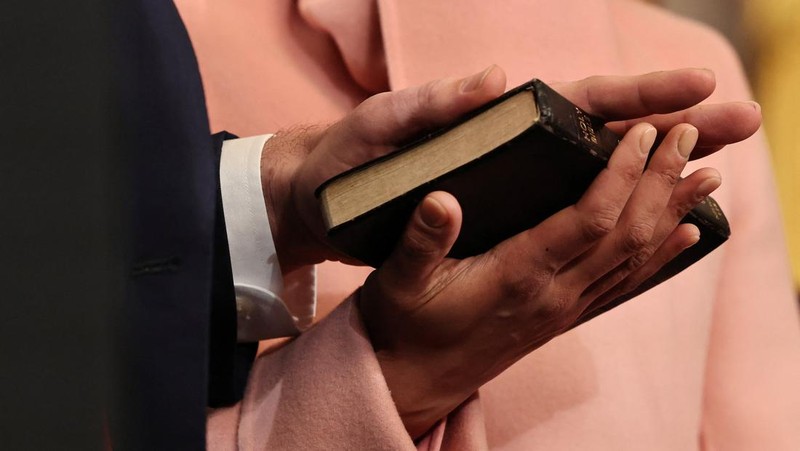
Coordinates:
688	193
718	124
615	97
682	238
571	231
641	214
429	235
396	117
385	121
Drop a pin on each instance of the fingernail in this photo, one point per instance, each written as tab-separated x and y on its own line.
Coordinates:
693	240
756	106
647	140
687	141
709	71
432	212
708	186
474	82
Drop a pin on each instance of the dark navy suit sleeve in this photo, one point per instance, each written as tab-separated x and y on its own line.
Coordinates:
175	349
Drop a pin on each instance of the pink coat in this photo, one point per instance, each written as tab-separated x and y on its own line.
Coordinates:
710	359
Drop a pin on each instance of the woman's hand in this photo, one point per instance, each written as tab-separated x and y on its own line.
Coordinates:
443	327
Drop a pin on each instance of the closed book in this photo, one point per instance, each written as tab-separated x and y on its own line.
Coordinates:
511	164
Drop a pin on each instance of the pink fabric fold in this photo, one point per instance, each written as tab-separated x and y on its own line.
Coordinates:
348	402
286	406
353	25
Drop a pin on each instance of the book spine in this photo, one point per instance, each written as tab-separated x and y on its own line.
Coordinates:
567	121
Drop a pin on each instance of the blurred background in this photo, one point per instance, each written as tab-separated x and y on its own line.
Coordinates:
767	35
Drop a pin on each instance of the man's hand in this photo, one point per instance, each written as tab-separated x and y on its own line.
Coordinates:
296	162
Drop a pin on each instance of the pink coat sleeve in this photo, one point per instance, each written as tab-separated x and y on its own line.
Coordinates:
324	390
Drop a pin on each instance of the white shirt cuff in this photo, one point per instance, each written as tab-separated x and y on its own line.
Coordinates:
269	304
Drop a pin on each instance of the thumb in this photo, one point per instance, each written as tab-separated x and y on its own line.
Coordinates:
429	235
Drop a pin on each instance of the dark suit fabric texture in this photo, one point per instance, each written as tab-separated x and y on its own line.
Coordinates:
176	331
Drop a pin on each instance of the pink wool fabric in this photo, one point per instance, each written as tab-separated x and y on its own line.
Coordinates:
709	360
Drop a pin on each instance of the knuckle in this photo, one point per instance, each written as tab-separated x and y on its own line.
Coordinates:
384	101
637	238
417	245
639	259
373	101
586	88
631	174
669	176
523	286
427	92
591	80
555	310
680	208
390	105
600	224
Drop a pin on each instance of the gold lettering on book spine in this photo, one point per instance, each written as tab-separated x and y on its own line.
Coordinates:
714	207
585	126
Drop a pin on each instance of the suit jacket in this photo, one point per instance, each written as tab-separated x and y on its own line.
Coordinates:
176	351
111	203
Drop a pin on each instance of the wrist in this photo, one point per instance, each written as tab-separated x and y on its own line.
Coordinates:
422	397
425	383
281	158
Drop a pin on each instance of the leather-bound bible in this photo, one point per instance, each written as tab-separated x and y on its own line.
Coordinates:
511	164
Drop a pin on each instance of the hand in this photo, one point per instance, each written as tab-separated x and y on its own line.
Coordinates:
665	99
442	327
296	162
